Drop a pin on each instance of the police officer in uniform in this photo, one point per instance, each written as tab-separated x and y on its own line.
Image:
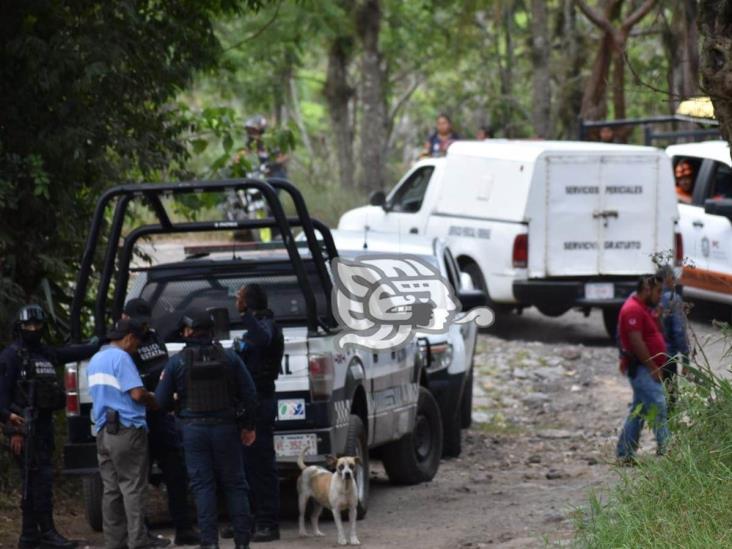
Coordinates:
163	438
216	400
30	392
261	350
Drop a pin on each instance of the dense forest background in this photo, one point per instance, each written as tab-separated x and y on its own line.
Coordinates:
98	93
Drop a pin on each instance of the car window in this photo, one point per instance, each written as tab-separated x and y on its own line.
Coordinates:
408	197
686	174
721	186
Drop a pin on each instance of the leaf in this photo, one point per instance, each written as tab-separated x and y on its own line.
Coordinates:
199	145
228	142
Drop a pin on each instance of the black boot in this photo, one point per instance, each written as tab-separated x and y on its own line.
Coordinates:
50	538
30	536
266	533
187	537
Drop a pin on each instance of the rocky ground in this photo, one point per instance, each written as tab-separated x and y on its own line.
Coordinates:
548	404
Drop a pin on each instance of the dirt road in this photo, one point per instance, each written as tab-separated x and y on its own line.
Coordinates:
548	403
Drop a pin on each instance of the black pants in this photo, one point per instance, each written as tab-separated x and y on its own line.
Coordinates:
37	505
166	449
260	464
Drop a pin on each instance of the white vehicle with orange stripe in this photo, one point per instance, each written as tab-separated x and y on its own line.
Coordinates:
706	220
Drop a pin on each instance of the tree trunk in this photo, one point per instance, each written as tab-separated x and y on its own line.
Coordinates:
506	70
374	116
715	25
541	108
594	98
619	77
569	85
338	95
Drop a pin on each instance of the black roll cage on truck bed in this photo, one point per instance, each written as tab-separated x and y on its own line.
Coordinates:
649	135
152	193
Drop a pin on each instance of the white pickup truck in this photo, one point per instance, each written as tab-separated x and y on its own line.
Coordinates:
449	364
706	221
556	225
329	401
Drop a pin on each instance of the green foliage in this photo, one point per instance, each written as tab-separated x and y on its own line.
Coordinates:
682	499
86	90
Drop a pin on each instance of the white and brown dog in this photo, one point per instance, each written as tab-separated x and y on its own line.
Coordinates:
336	491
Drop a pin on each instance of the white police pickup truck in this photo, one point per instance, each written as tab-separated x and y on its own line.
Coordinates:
330	401
556	225
449	363
706	222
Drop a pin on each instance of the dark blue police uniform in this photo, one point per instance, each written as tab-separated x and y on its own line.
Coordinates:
164	440
260	460
22	363
213	392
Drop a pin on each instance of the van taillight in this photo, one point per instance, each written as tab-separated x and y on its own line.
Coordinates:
320	370
679	250
521	251
71	379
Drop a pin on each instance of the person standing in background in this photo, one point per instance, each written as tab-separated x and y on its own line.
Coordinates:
444	136
673	321
119	400
643	352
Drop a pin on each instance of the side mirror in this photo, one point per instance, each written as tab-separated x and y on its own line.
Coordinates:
377	198
719	206
471	299
466	283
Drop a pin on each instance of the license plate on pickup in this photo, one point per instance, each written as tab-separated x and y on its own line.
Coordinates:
599	291
292	445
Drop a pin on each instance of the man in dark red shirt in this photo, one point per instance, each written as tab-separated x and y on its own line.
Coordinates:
643	352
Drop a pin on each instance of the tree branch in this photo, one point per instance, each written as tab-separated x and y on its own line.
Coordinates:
259	31
595	17
637	15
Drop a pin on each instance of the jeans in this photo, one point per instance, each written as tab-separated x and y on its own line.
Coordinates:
210	456
260	464
166	450
649	399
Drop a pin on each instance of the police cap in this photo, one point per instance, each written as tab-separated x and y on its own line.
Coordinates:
138	309
196	319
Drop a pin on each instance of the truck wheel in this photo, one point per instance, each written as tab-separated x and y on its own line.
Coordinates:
473	271
610	319
466	403
415	457
452	436
357	446
92	489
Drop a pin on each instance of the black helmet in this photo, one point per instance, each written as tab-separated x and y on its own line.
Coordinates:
30	313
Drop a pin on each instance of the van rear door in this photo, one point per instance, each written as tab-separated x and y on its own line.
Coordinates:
601	214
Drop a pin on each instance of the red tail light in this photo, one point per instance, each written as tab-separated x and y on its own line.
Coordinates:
320	370
679	251
521	251
71	379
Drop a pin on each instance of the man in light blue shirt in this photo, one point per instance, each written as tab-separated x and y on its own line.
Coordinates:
119	400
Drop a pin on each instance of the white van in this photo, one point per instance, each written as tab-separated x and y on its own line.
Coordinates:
551	224
706	220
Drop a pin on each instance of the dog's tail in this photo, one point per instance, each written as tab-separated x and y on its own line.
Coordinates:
301	459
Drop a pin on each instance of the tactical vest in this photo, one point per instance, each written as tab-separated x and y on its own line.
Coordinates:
210	380
38	380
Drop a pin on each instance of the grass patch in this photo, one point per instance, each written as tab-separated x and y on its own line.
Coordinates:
683	499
